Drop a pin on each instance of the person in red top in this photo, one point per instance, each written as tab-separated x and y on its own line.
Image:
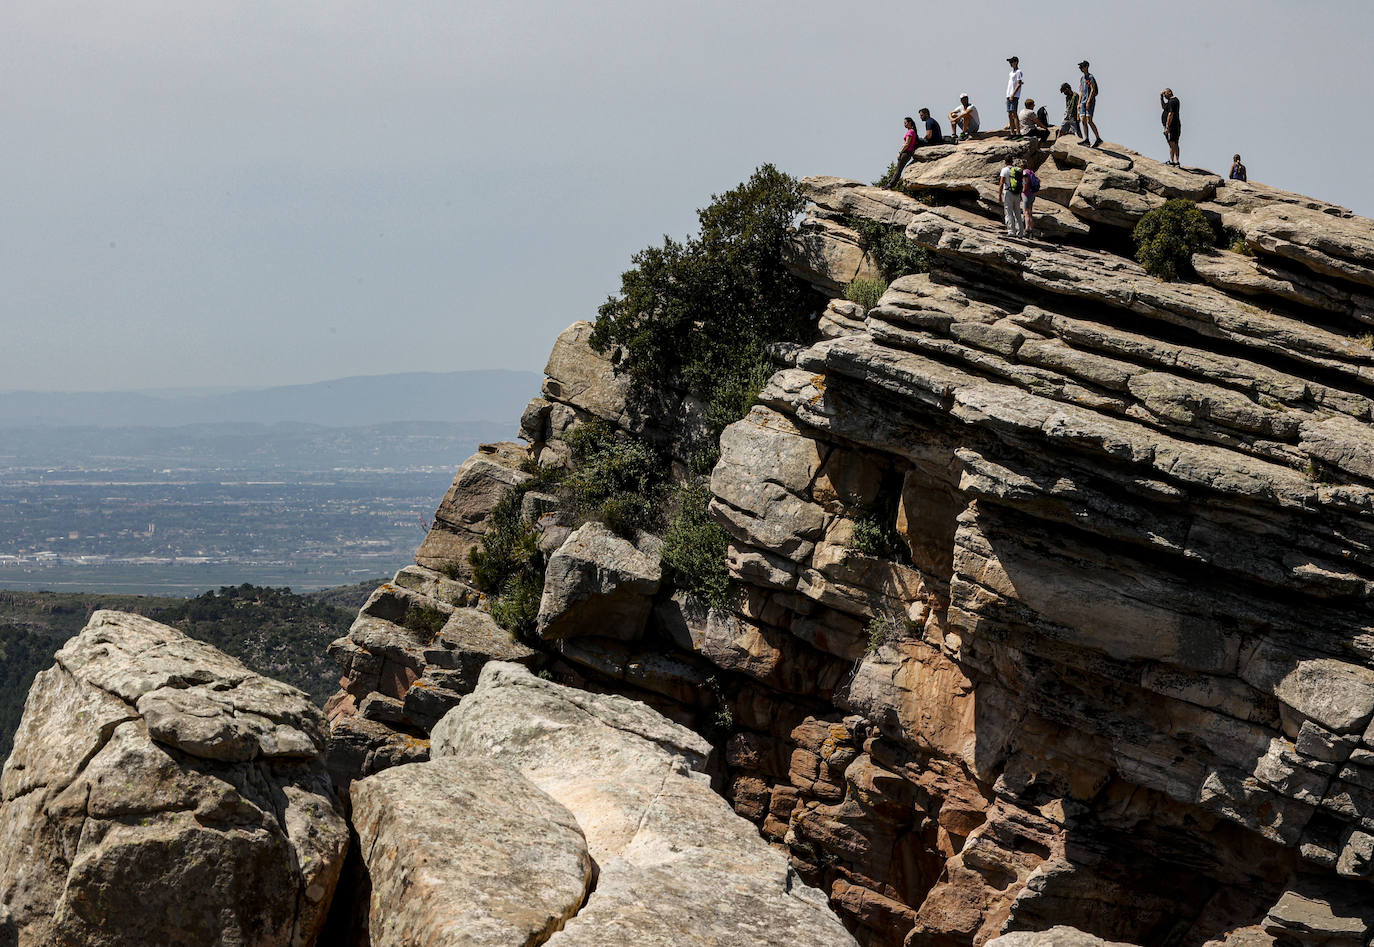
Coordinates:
908	150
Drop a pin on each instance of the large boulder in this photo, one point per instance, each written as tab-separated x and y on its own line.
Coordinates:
461	520
599	584
676	865
466	852
159	792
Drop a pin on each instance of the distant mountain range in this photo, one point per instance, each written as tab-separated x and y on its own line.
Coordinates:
439	397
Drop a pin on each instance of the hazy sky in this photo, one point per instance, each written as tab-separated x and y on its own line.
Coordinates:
268	192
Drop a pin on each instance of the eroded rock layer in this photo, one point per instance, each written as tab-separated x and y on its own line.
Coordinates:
1117	671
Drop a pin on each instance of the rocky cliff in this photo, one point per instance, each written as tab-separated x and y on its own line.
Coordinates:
1050	623
1118	673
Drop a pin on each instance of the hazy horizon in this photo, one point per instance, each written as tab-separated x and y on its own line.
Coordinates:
249	194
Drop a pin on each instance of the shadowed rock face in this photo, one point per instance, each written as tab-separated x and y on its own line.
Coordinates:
1119	675
161	793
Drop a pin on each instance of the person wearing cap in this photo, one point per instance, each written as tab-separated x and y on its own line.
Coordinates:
963	121
1238	170
1172	126
1087	102
1070	123
908	151
1014	81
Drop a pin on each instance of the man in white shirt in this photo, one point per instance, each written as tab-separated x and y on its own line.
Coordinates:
964	119
1031	126
1009	193
1014	96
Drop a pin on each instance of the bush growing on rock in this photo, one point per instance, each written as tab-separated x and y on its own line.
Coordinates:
1167	237
865	292
697	314
890	249
695	547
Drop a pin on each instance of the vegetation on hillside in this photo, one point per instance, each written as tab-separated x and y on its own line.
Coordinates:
1167	237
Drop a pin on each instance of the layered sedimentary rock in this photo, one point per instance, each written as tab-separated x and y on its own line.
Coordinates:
1116	670
159	792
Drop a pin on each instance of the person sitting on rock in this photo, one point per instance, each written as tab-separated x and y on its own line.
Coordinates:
1070	123
908	150
1237	169
1032	126
933	135
963	121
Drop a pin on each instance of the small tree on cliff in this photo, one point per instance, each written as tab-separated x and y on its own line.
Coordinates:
1167	237
698	314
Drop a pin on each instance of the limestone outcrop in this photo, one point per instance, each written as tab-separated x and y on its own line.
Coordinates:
159	792
1107	674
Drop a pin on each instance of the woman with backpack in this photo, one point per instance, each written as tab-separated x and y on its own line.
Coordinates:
1009	193
1030	186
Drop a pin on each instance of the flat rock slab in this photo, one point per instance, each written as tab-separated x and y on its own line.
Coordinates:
159	792
466	852
677	866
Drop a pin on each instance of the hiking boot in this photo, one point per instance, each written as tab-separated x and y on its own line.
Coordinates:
1098	143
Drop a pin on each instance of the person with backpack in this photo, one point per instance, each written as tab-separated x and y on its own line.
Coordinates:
1030	186
1032	125
907	153
1169	119
1087	104
1070	123
1009	181
1238	170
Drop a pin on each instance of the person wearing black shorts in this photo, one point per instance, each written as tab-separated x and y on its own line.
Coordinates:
1169	119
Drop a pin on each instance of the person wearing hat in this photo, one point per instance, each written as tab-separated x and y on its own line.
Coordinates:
963	121
1087	102
1014	82
1070	123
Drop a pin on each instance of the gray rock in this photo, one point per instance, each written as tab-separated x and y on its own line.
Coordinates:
465	851
674	860
461	520
599	584
1060	936
159	792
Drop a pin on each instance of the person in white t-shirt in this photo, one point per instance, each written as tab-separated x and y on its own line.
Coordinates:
963	121
1031	126
1009	193
1014	82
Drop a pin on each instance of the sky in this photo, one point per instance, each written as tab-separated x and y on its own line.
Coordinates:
243	193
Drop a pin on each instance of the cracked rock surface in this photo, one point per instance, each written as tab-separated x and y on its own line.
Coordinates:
675	865
159	792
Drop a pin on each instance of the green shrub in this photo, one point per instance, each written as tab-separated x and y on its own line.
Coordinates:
695	312
1167	237
615	479
695	548
864	291
889	248
885	628
1367	340
423	619
508	565
516	608
734	396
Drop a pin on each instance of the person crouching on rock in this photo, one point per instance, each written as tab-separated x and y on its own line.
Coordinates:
908	151
963	121
1031	124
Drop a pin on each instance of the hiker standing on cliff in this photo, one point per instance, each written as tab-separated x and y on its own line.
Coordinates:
1014	82
1238	170
1087	103
963	121
908	150
1070	123
1009	193
1168	102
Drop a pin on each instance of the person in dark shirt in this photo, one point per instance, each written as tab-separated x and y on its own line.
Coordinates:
1238	170
933	135
1070	123
1169	119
